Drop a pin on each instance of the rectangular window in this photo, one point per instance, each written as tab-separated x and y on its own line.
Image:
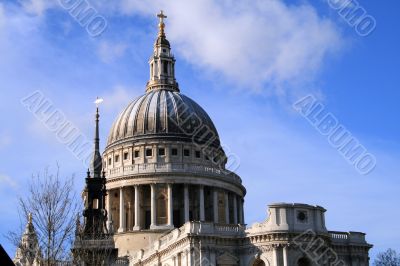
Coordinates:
149	152
137	154
165	64
174	152
126	156
116	158
161	152
198	155
109	161
186	152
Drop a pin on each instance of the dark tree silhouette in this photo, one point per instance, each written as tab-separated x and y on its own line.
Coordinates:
387	258
53	203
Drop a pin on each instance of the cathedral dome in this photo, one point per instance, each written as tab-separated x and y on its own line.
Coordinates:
164	162
163	114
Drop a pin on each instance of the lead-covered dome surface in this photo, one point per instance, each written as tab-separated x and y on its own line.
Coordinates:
164	114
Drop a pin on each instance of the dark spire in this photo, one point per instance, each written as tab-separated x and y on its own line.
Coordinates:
96	164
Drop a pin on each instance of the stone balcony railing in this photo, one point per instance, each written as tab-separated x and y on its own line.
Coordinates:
149	168
190	228
347	237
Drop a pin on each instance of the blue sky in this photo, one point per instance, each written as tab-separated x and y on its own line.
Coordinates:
245	62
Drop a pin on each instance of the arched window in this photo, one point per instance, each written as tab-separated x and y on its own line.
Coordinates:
304	262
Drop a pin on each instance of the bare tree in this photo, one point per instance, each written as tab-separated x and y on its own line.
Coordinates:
387	258
53	203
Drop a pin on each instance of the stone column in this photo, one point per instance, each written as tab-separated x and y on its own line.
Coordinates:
240	211
213	257
109	210
235	212
215	205
285	256
170	207
186	202
122	224
129	221
202	214
153	206
226	207
137	209
188	257
275	255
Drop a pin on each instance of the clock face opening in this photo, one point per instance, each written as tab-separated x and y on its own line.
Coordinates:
302	216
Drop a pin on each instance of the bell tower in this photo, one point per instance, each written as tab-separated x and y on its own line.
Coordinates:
95	191
94	245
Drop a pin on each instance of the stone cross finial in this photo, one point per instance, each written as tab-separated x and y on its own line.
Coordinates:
30	218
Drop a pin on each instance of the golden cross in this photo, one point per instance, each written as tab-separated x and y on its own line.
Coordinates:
161	16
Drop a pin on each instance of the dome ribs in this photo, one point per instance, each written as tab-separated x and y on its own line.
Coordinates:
164	114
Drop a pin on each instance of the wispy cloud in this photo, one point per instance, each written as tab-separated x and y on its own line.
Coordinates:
109	52
7	181
265	42
36	7
253	44
119	97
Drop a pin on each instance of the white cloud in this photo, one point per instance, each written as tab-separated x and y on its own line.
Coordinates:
109	52
6	180
252	43
37	7
119	97
249	42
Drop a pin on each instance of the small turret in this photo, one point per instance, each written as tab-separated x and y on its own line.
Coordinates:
28	251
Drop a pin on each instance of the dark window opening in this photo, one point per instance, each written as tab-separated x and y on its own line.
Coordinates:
165	64
198	155
116	158
126	156
149	152
161	152
186	152
174	152
136	154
